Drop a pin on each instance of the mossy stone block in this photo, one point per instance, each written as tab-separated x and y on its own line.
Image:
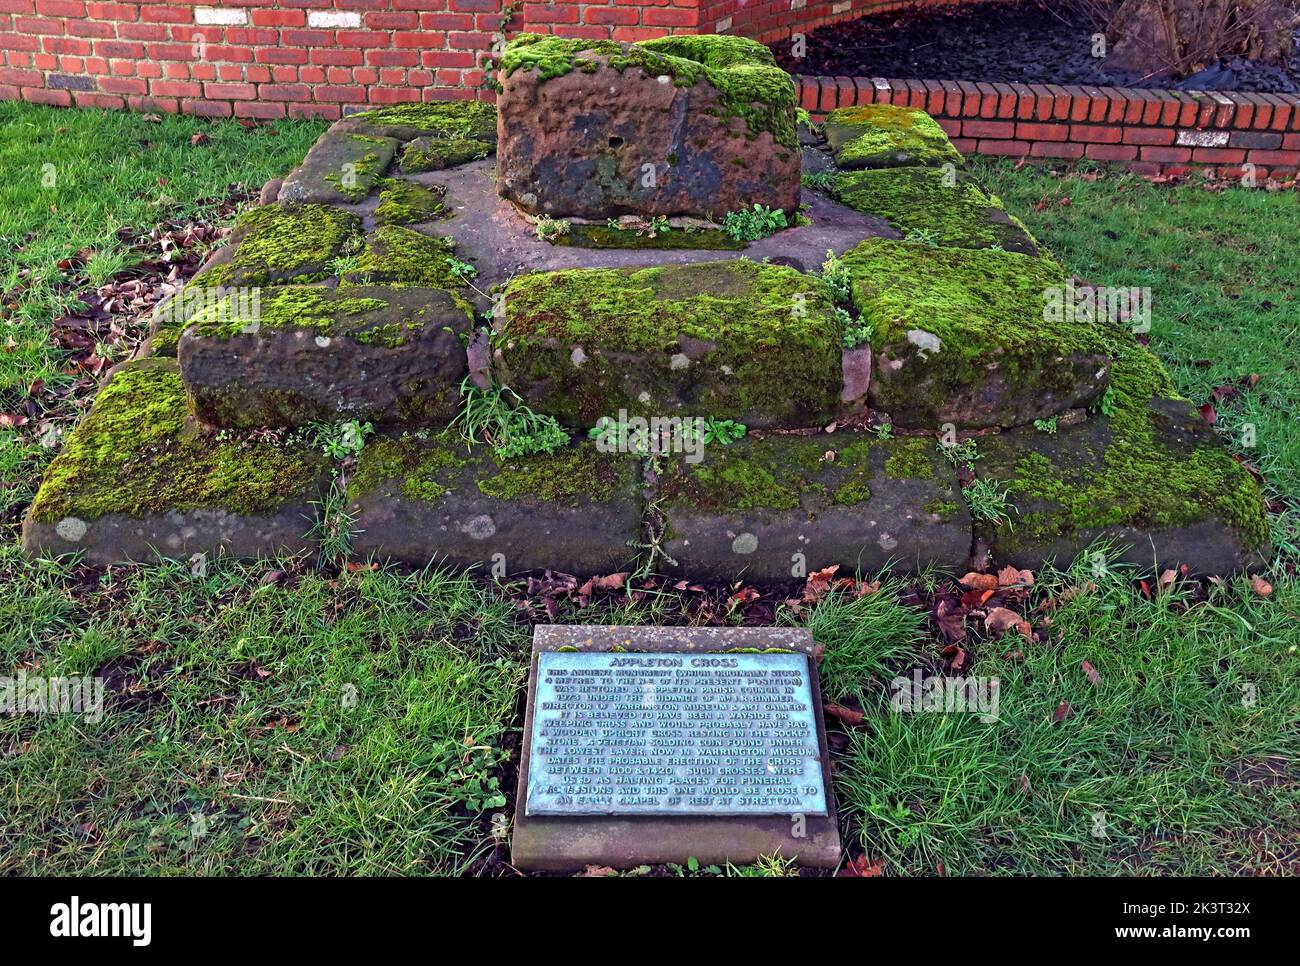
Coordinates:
438	154
887	136
341	168
576	511
396	256
935	206
1151	477
767	509
444	120
390	355
136	479
404	202
735	340
271	245
963	336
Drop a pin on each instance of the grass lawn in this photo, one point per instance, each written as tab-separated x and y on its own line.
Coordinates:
280	717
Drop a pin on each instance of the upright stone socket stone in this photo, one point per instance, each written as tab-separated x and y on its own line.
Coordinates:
677	126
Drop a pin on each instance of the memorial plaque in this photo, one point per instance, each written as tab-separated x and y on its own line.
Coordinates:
674	734
661	744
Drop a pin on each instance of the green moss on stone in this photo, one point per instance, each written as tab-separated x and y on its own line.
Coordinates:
443	118
428	469
400	256
785	472
749	86
285	244
1135	468
565	477
603	236
405	203
135	453
885	136
930	203
437	154
758	344
417	469
983	306
321	310
910	459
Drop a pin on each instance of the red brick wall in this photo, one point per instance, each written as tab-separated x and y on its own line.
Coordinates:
1151	132
269	58
272	58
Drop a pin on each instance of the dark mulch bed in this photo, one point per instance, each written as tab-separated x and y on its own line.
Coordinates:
1018	41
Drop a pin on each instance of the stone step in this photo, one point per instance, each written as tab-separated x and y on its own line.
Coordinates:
421	500
734	340
774	509
1151	479
936	207
887	136
304	353
341	168
136	480
963	337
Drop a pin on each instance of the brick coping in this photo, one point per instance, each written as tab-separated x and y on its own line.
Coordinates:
1149	131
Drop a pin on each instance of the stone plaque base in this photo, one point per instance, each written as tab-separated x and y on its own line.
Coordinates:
570	842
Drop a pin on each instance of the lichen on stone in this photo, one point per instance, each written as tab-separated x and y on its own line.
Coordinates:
136	453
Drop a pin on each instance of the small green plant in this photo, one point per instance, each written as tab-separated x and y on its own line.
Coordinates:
751	224
341	440
884	431
1047	426
462	270
333	526
801	116
1106	404
922	236
724	432
497	417
856	331
550	229
471	775
836	275
774	866
818	180
988	504
965	453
